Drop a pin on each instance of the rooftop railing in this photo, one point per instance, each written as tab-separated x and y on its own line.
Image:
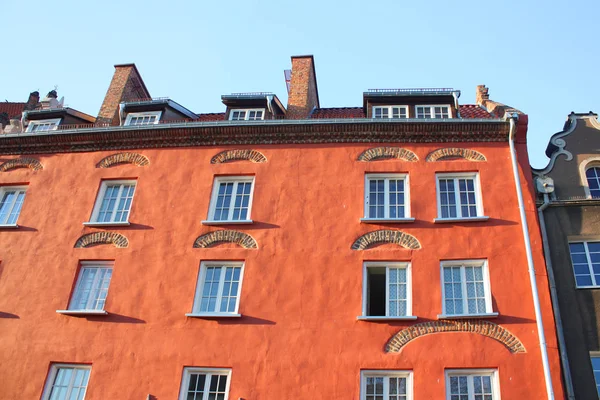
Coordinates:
146	100
426	90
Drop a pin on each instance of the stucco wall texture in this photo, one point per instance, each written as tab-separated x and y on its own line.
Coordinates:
302	289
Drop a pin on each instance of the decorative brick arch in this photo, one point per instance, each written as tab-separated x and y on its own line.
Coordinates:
400	238
451	153
481	327
96	238
237	155
30	163
385	153
123	158
214	238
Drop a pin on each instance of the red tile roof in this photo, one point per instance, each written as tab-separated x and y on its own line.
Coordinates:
474	111
12	109
338	112
212	117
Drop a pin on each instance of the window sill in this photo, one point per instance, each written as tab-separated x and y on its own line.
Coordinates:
468	316
126	223
386	318
82	312
386	220
451	220
241	222
9	226
213	315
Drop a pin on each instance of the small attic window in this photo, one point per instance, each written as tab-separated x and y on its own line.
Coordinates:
437	111
43	125
144	118
390	112
247	114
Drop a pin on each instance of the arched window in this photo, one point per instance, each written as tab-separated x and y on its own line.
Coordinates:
593	179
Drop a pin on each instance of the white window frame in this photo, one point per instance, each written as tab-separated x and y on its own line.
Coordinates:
391	264
390	111
478	198
32	123
85	311
130	116
386	198
100	197
492	373
432	111
3	190
200	286
408	374
247	114
52	376
188	371
589	263
215	194
595	354
489	312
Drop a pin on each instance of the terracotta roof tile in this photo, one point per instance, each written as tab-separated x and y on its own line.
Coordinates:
474	111
338	112
212	117
12	109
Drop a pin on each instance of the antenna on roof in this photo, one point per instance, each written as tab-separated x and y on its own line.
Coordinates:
288	78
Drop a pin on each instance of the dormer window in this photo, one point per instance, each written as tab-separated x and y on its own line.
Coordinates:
143	118
247	115
390	112
43	125
437	111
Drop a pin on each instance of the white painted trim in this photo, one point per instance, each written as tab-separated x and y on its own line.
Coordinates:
586	164
124	223
19	188
468	316
386	220
32	123
384	318
142	114
387	264
431	111
82	312
8	226
589	263
215	193
387	177
486	286
468	219
240	222
247	114
493	373
408	374
96	210
200	285
185	380
458	175
52	376
89	265
390	111
212	315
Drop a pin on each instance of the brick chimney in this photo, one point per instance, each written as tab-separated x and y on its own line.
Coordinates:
481	95
126	85
33	102
303	95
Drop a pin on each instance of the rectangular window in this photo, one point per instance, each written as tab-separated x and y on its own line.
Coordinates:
205	384
596	368
144	118
459	196
394	112
114	202
218	289
247	115
11	201
386	196
231	199
386	385
92	286
471	385
67	382
437	111
43	125
585	257
387	290
466	289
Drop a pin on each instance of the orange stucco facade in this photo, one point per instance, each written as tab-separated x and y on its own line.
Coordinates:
298	336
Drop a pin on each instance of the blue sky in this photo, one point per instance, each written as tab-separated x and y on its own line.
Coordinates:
539	56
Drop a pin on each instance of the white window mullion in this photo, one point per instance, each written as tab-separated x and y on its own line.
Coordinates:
387	291
463	284
589	263
471	387
93	292
12	207
386	388
71	383
386	198
116	209
457	198
220	290
232	203
206	386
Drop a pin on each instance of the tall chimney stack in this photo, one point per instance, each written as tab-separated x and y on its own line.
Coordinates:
303	95
33	101
481	95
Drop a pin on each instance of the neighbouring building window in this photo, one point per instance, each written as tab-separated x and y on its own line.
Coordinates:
386	196
596	368
11	201
442	111
205	384
471	385
390	112
231	199
593	179
114	202
92	286
218	288
43	125
246	115
458	196
67	382
144	118
386	385
585	257
465	288
387	290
